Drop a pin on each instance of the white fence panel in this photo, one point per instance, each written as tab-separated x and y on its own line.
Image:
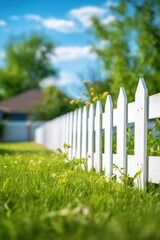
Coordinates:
85	131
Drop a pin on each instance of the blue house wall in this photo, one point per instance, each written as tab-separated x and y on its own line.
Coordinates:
1	116
17	116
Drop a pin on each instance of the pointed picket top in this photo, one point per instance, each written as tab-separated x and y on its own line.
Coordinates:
122	96
85	110
75	114
98	107
79	112
91	109
141	88
109	103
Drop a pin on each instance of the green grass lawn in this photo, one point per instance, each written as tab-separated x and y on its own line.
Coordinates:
41	197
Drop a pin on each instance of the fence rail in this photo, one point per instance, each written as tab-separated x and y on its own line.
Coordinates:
82	129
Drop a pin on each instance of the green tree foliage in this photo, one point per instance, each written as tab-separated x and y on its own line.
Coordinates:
55	103
26	63
131	46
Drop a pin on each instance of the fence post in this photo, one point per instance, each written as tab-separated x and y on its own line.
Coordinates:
70	135
79	133
84	132
121	133
108	132
141	115
98	137
74	133
90	160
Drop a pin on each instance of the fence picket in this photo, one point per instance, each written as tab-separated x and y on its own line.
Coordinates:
84	131
70	135
121	133
74	134
67	128
90	158
141	116
108	129
62	129
79	133
98	137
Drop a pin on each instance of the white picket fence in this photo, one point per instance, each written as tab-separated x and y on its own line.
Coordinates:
19	131
82	130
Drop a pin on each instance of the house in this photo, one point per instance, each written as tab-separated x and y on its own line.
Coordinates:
20	106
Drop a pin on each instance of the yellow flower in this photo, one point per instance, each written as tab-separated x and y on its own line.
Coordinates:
95	98
87	103
92	93
91	89
105	94
72	101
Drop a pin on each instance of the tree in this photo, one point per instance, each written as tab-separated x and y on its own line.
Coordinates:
27	62
131	46
55	103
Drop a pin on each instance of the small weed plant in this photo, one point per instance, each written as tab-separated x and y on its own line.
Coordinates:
91	96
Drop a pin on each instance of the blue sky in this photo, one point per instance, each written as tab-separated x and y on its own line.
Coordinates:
66	22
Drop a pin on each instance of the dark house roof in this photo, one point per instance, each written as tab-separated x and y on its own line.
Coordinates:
22	103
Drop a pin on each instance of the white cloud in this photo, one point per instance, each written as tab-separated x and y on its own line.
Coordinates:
76	21
33	17
70	53
109	19
3	23
64	79
84	14
77	18
15	18
60	25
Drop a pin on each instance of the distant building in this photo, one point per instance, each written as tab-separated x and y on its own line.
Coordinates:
20	106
